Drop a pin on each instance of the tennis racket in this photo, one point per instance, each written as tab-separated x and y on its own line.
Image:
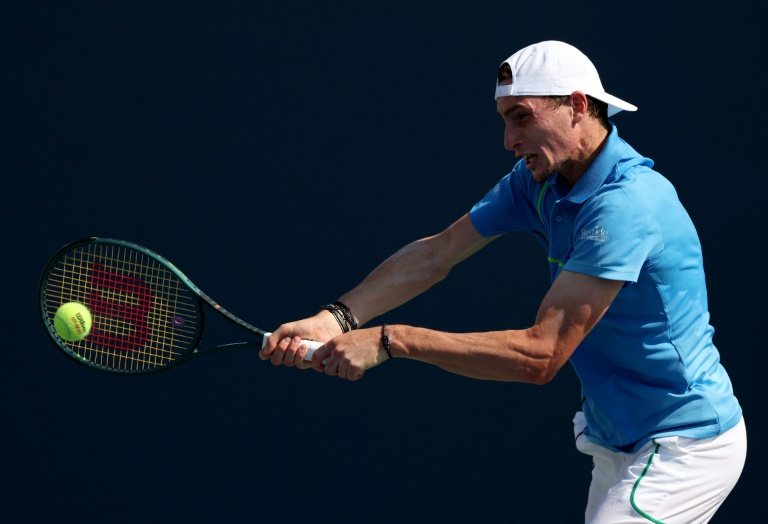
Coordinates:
147	316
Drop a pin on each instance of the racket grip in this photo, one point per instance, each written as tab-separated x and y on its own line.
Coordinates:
312	345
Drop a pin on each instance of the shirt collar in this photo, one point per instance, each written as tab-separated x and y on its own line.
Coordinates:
598	171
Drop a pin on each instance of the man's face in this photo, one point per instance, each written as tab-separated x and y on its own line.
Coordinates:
544	137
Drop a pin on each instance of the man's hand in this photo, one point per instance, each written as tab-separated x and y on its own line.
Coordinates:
286	345
350	355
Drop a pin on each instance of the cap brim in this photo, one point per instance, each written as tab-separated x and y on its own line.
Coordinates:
615	105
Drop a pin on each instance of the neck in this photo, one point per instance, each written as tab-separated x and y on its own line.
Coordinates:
589	146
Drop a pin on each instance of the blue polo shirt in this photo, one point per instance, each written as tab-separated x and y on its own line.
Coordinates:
649	368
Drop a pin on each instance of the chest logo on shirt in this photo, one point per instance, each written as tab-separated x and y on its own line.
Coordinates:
596	234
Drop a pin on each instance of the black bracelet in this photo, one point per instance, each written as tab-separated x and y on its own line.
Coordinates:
385	340
348	316
344	327
343	316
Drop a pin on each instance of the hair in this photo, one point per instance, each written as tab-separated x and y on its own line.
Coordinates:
595	108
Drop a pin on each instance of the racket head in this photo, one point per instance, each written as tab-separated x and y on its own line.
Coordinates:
146	315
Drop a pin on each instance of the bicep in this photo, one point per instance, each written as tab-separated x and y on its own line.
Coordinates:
457	242
573	306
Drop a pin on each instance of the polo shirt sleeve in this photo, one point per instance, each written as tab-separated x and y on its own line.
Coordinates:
507	207
615	235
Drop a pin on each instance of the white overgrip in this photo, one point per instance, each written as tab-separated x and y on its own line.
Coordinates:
312	345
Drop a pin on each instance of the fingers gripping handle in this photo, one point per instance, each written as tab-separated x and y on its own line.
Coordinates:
312	345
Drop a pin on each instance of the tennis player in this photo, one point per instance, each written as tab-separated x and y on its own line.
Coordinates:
627	305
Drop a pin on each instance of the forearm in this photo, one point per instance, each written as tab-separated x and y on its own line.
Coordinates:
573	306
513	356
413	269
409	272
406	274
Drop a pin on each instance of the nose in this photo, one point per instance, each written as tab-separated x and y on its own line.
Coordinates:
511	139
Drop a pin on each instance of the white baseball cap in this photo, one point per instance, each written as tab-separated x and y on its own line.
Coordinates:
555	69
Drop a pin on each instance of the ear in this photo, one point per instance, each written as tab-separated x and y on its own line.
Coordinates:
580	104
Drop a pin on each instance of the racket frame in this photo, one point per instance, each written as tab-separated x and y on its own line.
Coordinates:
202	298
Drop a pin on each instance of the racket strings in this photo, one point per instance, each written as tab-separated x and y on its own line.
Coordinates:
144	316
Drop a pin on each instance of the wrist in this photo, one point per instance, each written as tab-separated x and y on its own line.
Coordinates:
384	341
329	323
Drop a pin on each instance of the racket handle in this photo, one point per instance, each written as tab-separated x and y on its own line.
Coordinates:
312	345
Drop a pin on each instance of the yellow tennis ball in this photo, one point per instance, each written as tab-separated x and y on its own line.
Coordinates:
72	321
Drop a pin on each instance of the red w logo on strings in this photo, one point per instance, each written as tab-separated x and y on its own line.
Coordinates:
130	311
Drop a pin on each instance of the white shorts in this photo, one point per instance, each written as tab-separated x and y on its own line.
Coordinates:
670	480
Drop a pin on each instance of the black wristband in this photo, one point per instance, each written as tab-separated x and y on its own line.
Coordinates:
385	340
343	325
348	316
343	316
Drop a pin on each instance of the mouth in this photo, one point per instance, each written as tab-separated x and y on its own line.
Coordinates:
529	160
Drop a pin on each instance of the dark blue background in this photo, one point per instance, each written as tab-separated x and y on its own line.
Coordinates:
276	154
